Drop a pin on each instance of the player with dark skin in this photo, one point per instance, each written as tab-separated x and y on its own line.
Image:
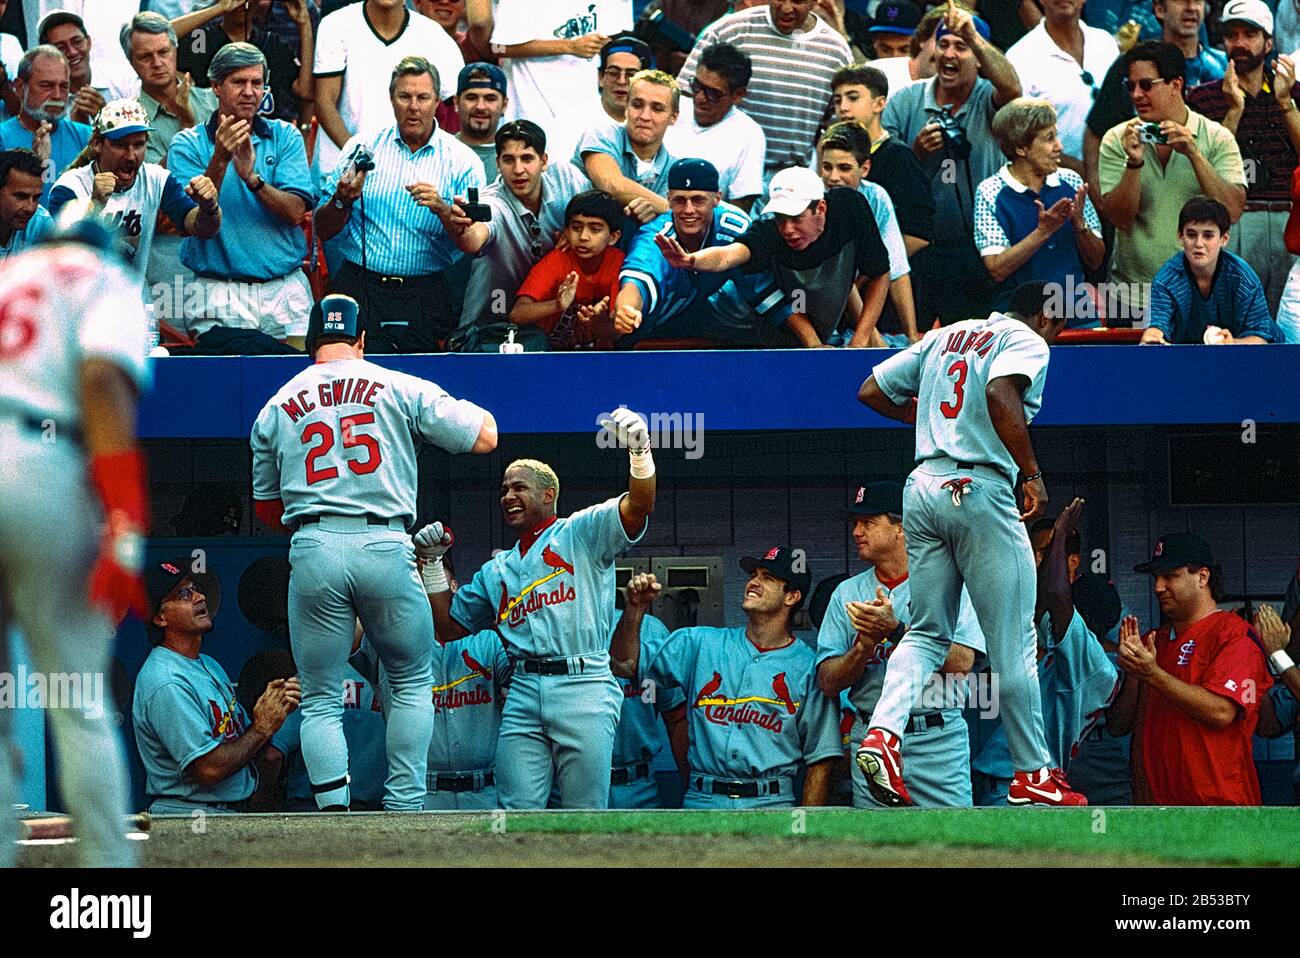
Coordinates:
526	505
1005	396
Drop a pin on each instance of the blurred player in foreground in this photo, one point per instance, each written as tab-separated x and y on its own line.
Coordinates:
72	364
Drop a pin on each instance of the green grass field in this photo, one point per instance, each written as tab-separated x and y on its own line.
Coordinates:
984	837
1256	836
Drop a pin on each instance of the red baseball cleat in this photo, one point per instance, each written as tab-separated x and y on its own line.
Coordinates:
882	764
1044	787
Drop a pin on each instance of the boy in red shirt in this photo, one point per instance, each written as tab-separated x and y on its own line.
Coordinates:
568	292
1193	686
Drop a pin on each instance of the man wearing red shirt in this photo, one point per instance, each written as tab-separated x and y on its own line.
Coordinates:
1193	686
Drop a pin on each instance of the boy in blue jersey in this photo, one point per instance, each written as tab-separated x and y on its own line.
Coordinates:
1207	294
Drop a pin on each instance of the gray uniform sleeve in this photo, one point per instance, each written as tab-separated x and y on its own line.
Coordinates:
266	463
449	423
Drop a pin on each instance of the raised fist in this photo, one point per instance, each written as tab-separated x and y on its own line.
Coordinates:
630	428
433	541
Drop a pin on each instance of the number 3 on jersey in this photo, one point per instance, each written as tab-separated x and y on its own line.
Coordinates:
957	373
322	434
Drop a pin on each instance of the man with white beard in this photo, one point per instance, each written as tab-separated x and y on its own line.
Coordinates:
43	83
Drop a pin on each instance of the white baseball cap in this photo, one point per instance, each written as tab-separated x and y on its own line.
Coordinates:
793	190
1254	12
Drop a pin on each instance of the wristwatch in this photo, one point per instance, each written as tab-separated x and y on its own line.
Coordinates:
260	183
338	205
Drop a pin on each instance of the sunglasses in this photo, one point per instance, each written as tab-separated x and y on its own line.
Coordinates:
710	94
1145	84
535	234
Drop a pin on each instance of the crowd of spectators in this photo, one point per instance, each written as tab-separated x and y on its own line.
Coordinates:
433	158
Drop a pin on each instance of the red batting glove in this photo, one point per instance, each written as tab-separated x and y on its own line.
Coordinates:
115	583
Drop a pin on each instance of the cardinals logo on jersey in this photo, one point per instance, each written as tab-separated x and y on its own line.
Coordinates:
449	697
226	724
721	710
516	609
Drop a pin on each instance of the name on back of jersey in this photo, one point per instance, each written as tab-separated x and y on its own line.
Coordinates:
968	341
334	392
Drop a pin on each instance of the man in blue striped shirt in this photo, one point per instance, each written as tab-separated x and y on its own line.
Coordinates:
396	244
1207	294
23	221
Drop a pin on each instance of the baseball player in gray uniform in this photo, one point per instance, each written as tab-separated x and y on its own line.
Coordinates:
971	388
866	616
74	349
552	599
334	459
755	711
470	680
640	733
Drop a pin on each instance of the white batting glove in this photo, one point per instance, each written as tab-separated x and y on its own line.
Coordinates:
632	432
431	544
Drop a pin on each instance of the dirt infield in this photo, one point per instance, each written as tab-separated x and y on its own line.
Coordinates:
467	840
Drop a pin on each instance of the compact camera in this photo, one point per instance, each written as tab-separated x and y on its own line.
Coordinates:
1150	133
476	211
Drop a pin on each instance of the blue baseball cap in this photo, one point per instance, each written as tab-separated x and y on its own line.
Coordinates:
896	16
693	174
625	43
481	75
981	28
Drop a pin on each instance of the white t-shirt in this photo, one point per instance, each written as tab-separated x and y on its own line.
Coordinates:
1049	72
735	144
555	92
132	214
347	45
897	71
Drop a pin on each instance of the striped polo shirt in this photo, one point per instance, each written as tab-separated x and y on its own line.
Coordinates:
1236	301
402	237
1267	155
1005	214
791	85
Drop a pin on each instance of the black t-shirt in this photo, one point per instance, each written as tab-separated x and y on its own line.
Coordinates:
848	248
1113	104
895	168
194	56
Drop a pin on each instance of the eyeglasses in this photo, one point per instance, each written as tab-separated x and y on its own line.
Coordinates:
614	73
1145	84
185	593
710	94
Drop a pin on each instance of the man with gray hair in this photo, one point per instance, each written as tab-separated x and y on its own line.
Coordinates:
43	82
396	245
255	295
172	104
169	98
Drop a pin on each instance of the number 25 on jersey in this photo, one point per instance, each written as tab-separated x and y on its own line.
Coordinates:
322	434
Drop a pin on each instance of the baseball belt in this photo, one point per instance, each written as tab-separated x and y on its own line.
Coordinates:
916	724
719	786
575	665
468	782
629	773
